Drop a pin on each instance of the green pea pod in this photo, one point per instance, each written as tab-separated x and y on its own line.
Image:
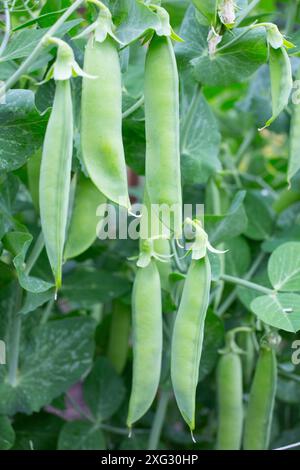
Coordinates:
101	130
281	81
33	173
55	176
151	228
82	230
230	402
261	402
187	338
294	151
147	341
163	177
119	336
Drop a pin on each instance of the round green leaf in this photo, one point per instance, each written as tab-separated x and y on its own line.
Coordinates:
284	267
280	311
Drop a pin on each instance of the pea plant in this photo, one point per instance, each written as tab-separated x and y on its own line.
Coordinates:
179	331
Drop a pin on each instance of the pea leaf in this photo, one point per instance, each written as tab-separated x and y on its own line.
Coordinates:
18	243
284	267
81	435
200	139
34	300
22	129
260	216
280	311
9	187
132	19
207	10
238	258
103	390
53	357
235	63
23	42
7	69
223	227
7	434
213	341
38	431
87	287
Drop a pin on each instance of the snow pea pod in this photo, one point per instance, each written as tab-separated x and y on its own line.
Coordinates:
230	402
187	338
101	127
147	341
163	176
55	176
261	402
281	81
83	224
294	150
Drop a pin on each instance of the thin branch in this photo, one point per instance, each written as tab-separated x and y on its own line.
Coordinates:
248	284
159	420
133	108
231	298
7	28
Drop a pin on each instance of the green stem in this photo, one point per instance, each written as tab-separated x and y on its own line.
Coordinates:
234	40
231	298
288	375
133	108
105	427
17	318
7	28
158	420
248	284
47	311
39	47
